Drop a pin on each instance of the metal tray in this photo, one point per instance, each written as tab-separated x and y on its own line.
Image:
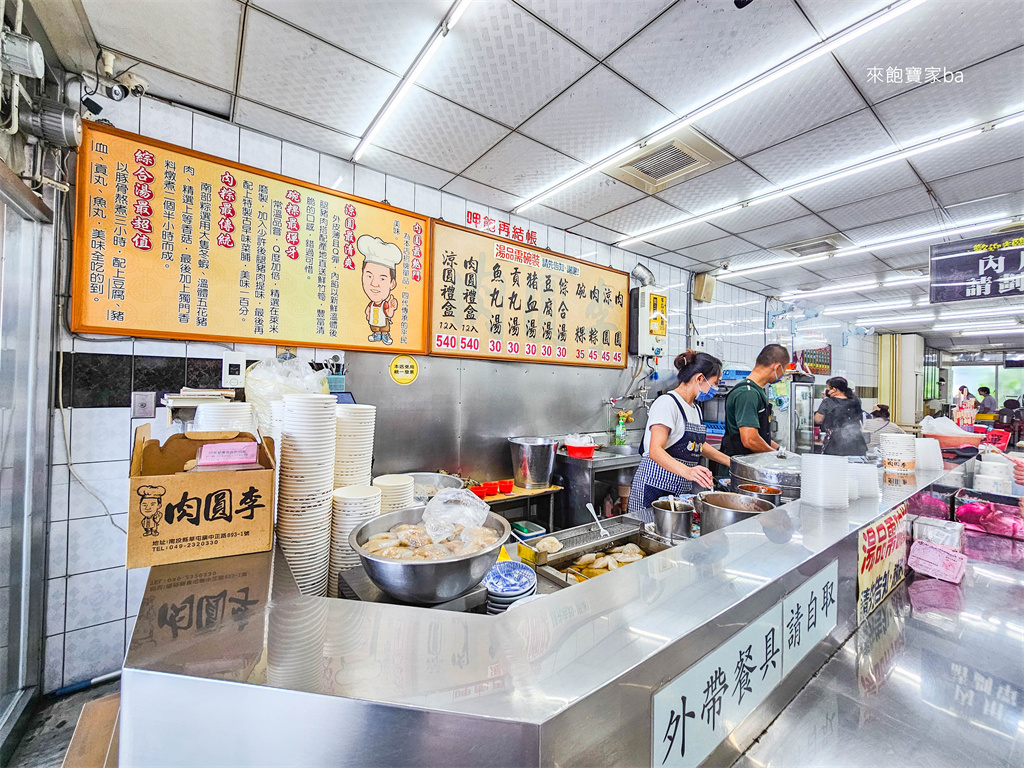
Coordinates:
580	539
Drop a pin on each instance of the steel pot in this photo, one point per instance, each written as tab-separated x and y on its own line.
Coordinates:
672	518
717	510
763	492
779	469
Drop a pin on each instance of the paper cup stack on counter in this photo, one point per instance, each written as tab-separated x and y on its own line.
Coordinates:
354	429
824	480
306	488
397	492
866	478
899	454
352	506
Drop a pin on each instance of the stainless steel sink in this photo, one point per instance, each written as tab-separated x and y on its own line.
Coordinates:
621	450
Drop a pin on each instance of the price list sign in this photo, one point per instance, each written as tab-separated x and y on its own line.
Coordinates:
498	299
171	243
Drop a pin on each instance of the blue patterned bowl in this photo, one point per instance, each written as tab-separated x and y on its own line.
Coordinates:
509	578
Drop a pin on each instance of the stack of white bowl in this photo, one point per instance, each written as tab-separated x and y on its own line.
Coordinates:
928	453
295	643
824	480
224	417
354	428
306	487
397	492
276	420
866	478
993	474
352	506
899	454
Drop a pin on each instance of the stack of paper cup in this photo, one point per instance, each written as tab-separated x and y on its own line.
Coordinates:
352	506
224	417
928	453
353	457
866	478
306	486
276	420
899	454
396	492
824	480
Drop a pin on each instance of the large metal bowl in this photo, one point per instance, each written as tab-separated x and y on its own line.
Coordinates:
434	478
425	582
717	510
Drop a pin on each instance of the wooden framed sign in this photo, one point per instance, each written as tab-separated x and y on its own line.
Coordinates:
171	243
497	299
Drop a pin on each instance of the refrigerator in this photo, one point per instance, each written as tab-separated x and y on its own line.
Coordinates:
793	413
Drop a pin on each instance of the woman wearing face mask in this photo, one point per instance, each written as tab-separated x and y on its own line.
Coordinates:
674	439
840	416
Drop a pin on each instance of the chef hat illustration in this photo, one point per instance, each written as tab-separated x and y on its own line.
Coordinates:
151	491
376	251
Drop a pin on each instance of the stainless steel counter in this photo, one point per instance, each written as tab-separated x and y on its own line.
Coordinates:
228	665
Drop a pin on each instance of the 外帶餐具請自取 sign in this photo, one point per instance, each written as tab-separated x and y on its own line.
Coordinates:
171	243
978	268
497	299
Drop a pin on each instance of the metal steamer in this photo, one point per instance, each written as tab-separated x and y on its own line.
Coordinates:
778	469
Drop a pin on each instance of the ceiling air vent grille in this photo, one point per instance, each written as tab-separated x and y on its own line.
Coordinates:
813	247
681	156
663	162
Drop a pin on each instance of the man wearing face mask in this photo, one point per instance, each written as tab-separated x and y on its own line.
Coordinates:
748	413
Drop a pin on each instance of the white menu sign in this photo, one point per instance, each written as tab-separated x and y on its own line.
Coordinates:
695	712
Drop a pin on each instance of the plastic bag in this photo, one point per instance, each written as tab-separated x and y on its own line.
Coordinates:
270	380
451	507
576	440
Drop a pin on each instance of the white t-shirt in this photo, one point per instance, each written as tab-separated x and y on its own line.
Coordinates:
665	411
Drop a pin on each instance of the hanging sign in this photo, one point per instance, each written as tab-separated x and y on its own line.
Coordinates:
881	560
171	243
978	268
496	299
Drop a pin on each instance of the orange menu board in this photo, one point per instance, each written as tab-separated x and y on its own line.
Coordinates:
171	243
495	298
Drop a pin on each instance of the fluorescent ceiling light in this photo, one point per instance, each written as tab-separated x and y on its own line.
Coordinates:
754	84
868	306
894	282
894	320
411	77
995	332
978	326
992	312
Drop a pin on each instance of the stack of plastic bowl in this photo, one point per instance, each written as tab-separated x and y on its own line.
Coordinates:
295	643
928	453
866	478
306	488
354	428
824	480
224	417
852	486
396	492
506	583
352	506
899	454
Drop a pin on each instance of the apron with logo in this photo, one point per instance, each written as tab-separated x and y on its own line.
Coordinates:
652	481
378	319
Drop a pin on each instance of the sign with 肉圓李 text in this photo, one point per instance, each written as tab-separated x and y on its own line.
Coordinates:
171	243
977	268
495	299
695	712
881	559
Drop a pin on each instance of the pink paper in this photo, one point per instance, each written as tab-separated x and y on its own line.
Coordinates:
936	561
215	454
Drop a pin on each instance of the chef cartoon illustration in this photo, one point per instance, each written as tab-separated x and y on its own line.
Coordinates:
150	501
380	261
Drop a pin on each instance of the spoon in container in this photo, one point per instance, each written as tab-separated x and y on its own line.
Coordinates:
604	533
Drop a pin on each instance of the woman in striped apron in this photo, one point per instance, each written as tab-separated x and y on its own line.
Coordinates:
674	439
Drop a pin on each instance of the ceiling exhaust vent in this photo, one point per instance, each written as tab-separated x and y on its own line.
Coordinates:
816	246
681	156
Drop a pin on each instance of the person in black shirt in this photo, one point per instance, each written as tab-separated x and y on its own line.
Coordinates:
840	416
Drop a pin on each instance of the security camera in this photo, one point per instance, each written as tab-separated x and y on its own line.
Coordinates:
137	85
114	91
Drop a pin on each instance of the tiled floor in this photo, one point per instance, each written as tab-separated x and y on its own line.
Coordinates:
50	731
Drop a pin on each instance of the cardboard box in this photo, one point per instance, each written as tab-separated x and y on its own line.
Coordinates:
176	516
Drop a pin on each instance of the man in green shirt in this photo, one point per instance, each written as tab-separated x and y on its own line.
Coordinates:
747	410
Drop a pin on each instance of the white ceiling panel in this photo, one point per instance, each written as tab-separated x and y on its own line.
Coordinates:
595	232
551	217
984	149
522	166
993	180
811	96
157	31
719	250
599	115
360	27
502	62
179	89
481	193
437	132
897	175
678	260
687	236
832	16
593	196
850	266
285	126
755	216
989	90
278	58
641	216
716	189
384	160
911	257
891	205
644	249
789	232
894	229
751	258
998	207
598	27
696	52
831	147
786	279
953	34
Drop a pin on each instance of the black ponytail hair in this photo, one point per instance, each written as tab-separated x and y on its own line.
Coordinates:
690	363
839	383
